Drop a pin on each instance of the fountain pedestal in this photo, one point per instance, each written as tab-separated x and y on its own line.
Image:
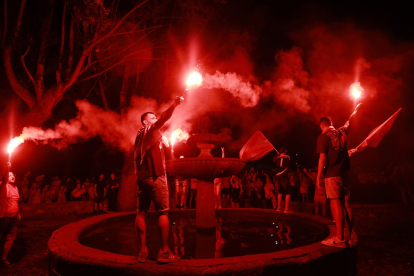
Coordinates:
205	212
205	168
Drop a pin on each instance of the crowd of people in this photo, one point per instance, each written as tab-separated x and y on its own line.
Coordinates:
261	187
37	190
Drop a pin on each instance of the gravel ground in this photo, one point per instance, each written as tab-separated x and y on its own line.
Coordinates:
386	246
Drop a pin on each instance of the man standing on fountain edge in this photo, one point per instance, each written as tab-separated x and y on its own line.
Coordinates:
152	181
334	163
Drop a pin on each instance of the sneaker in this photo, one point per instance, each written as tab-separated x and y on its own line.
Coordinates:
335	242
143	256
167	257
279	210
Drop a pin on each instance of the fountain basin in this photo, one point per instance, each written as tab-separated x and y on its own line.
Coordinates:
67	256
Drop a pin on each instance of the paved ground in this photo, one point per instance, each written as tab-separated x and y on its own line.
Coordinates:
386	246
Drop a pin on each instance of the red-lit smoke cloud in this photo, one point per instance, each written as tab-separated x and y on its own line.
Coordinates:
308	80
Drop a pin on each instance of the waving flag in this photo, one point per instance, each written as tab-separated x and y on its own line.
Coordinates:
375	137
257	147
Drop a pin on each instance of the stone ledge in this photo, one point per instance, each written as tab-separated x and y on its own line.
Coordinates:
68	257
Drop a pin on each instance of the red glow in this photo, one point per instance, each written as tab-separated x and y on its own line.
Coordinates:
194	79
14	143
356	90
178	135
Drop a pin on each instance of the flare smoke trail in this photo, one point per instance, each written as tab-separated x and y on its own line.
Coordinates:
247	94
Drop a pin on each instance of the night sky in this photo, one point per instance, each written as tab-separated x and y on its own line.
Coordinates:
303	55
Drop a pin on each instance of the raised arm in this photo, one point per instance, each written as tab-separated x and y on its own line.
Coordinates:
5	178
350	121
166	115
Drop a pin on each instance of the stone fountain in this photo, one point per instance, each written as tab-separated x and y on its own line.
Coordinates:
205	168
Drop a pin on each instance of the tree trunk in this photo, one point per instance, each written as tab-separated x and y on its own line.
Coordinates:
127	189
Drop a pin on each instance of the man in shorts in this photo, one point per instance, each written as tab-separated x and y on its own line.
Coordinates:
282	179
334	163
152	181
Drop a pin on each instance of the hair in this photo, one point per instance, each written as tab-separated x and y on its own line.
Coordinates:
144	116
282	150
326	119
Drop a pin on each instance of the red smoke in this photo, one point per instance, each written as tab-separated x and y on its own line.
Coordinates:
308	80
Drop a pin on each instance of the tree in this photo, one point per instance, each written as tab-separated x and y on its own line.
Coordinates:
91	24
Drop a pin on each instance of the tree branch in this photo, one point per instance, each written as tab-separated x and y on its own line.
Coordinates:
119	63
102	38
76	72
62	43
25	67
19	18
104	100
5	23
70	59
46	26
23	93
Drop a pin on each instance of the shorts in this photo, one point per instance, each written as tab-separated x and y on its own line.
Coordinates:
336	187
99	198
157	191
283	186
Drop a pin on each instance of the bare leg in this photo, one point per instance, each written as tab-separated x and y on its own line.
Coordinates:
317	203
9	236
348	217
287	200
279	202
338	215
141	229
274	202
164	226
324	206
218	196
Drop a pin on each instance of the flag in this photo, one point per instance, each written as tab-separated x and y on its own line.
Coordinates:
257	147
375	136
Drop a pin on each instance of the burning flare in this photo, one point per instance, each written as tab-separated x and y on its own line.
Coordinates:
356	90
194	79
14	143
178	135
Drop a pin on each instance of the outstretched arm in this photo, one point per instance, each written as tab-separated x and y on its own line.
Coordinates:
166	115
351	118
6	175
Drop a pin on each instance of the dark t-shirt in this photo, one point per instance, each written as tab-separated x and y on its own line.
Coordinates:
333	144
153	163
112	183
282	164
100	187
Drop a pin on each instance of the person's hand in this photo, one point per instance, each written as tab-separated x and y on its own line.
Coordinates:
318	183
358	107
178	100
19	217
